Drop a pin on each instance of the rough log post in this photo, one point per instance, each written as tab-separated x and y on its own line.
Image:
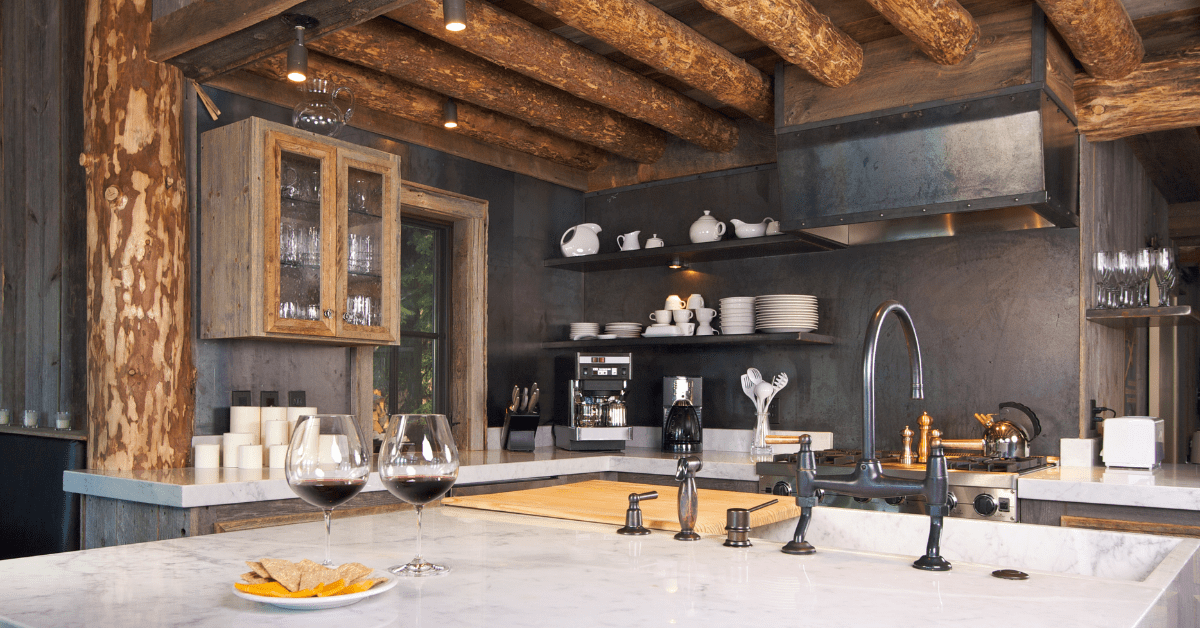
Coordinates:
395	49
644	32
509	41
1160	95
1100	34
388	94
799	33
140	375
942	29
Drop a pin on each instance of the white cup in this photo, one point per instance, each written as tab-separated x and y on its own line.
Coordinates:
30	418
704	329
629	241
686	329
695	302
705	314
674	303
681	316
654	242
662	317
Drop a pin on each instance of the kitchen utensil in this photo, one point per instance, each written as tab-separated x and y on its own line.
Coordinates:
755	376
654	242
737	524
580	240
748	386
777	385
318	112
762	393
706	229
327	463
629	241
524	406
418	462
533	399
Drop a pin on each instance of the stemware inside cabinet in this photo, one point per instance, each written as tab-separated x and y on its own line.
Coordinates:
279	210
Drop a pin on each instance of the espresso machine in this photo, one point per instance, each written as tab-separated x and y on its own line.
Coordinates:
597	419
683	410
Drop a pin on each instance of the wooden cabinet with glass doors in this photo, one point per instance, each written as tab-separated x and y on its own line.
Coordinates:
299	237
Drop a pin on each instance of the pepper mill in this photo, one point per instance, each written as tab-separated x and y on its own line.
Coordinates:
907	457
633	516
923	449
685	474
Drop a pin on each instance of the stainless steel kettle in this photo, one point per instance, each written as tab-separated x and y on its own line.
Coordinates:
1009	435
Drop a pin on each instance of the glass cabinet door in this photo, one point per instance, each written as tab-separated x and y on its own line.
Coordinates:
300	220
370	195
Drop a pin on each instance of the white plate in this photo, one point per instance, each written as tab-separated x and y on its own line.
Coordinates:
785	330
787	296
607	337
318	603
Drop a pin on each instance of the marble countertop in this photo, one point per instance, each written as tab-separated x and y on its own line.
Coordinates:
189	488
510	570
1174	486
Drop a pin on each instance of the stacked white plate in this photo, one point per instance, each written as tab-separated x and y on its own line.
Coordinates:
662	329
578	330
783	313
623	330
737	315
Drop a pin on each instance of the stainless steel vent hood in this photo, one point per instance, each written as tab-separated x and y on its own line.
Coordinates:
996	163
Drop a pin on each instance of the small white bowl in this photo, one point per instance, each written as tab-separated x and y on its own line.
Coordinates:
750	231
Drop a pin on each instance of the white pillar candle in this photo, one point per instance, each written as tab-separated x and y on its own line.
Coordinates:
294	414
278	456
5	417
333	449
250	457
208	456
31	418
245	420
230	444
62	420
270	413
274	433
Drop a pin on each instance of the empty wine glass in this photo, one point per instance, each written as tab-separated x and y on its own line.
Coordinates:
1126	277
1106	278
418	463
327	463
1145	270
1165	273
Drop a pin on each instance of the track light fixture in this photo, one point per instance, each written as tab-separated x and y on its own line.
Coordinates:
455	14
450	114
677	263
297	55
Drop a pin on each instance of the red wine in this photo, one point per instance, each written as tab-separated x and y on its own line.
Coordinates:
419	490
328	493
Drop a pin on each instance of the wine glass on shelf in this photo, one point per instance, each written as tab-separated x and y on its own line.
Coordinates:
327	463
1165	273
1126	277
1106	278
1145	270
418	463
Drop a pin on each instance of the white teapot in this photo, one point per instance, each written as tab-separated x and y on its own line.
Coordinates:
706	229
580	240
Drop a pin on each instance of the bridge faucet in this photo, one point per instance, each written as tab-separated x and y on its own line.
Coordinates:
868	480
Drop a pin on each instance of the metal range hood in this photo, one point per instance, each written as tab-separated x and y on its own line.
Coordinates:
995	163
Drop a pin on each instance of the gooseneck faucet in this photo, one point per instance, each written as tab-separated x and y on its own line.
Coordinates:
868	480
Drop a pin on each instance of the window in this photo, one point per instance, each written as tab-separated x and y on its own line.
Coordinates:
411	377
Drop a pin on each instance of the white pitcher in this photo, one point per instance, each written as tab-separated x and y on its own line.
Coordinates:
580	240
629	241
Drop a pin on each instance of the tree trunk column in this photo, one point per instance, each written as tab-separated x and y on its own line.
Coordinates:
140	374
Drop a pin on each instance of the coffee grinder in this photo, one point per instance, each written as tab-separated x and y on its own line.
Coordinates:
683	413
596	398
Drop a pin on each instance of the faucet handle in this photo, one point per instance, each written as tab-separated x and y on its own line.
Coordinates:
634	498
633	516
687	468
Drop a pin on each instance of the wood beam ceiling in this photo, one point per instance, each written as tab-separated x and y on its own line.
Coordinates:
942	29
646	33
508	41
1100	33
388	94
1159	95
798	33
397	50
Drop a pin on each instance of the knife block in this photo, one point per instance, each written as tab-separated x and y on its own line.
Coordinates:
521	431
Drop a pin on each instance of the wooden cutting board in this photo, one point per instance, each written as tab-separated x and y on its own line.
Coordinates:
601	501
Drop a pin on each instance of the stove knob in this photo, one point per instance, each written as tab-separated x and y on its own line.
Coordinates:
985	505
781	488
894	501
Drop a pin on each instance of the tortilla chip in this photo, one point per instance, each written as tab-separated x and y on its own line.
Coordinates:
258	569
353	572
252	578
284	572
312	575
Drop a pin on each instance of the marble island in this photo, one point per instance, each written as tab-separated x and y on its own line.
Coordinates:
1171	486
512	570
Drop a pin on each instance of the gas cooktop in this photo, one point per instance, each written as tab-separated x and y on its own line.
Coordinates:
847	457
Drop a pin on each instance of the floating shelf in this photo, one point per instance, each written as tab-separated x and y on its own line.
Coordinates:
797	338
44	432
767	246
1170	316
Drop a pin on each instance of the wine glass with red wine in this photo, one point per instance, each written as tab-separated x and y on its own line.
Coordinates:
418	463
327	463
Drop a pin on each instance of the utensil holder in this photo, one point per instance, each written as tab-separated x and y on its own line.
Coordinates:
761	428
521	432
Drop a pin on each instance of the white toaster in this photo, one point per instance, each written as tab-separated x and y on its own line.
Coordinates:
1133	441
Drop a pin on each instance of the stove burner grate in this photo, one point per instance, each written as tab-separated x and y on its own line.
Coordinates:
1003	465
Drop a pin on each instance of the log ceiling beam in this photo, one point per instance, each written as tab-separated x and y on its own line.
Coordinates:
210	37
942	29
1160	95
646	33
511	42
798	33
388	94
397	50
1100	33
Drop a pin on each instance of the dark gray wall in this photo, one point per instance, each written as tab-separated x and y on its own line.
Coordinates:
524	300
996	315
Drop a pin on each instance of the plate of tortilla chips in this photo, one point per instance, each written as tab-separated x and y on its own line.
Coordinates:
307	585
